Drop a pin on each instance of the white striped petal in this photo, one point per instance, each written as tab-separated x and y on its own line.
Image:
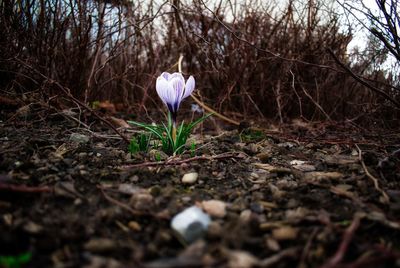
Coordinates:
178	83
166	75
189	87
164	89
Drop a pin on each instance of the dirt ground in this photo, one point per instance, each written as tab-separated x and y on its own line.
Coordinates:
306	195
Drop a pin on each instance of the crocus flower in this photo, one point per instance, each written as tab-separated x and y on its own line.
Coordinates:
172	89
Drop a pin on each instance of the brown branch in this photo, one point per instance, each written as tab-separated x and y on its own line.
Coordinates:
203	105
385	197
69	95
118	203
25	188
237	34
67	91
361	81
210	110
178	162
336	259
127	207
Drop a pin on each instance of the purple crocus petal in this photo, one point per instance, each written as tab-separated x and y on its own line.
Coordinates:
189	87
172	89
178	84
164	89
166	75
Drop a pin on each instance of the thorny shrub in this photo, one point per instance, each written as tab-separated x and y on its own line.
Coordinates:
256	58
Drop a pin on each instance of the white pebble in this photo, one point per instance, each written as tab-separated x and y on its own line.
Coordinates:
190	178
191	223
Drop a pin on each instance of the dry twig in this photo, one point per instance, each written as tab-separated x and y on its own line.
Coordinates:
25	188
385	197
67	91
204	106
361	81
125	206
178	162
336	259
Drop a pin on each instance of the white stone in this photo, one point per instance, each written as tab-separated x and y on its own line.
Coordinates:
190	178
191	223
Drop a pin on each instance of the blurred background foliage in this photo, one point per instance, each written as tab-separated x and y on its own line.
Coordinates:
251	59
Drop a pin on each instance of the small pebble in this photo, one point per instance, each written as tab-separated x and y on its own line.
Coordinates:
242	259
285	233
272	244
100	245
33	228
142	201
78	138
264	156
256	207
190	178
215	208
245	215
135	226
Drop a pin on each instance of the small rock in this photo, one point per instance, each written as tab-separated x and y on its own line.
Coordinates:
302	165
142	201
190	224
100	245
344	187
264	156
245	216
253	148
292	203
79	138
254	175
276	192
272	244
135	226
215	208
293	215
273	169
242	259
268	205
285	233
78	201
316	176
8	219
82	155
33	228
341	159
128	189
134	178
186	199
99	262
190	178
256	207
287	145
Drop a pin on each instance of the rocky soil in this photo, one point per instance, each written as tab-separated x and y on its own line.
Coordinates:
306	195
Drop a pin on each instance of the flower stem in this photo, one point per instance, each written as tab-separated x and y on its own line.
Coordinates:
174	132
180	63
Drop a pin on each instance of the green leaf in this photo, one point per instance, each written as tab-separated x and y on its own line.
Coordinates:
192	149
15	261
164	134
133	147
